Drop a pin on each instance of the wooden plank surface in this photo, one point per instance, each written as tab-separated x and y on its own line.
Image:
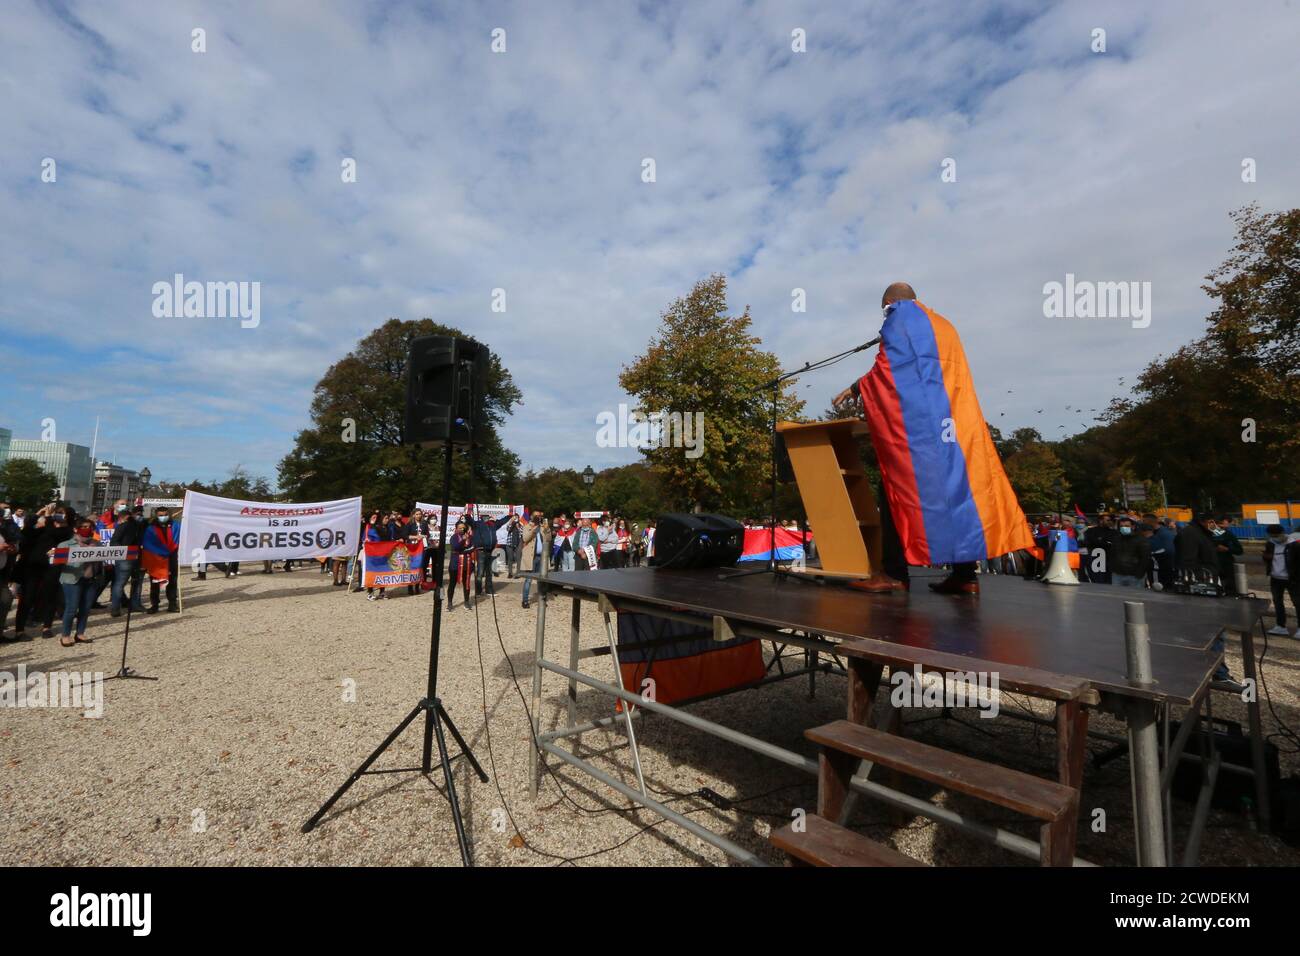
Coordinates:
823	843
1075	632
1024	793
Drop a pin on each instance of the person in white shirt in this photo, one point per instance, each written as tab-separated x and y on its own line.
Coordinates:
1282	564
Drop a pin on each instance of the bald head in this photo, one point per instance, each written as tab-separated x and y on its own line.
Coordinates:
897	292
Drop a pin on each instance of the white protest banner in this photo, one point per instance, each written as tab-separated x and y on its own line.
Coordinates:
161	502
590	552
227	529
96	552
591	514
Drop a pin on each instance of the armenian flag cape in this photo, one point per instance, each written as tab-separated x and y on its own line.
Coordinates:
392	563
948	495
160	542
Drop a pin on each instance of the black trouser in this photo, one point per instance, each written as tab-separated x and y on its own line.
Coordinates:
1280	588
39	599
964	571
483	571
154	586
6	599
892	561
458	573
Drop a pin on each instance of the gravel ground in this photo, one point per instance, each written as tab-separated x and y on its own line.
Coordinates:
248	730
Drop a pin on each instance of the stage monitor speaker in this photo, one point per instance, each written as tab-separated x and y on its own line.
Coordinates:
697	541
445	381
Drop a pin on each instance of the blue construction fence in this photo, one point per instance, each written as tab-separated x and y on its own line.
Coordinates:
1248	529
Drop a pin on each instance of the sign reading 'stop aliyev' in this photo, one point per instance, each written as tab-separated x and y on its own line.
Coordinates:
217	530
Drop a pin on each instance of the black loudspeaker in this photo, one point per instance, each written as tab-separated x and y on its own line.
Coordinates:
697	541
445	381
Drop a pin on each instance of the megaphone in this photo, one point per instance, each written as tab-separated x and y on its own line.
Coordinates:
1059	571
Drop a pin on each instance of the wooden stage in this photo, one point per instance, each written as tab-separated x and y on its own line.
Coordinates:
1059	643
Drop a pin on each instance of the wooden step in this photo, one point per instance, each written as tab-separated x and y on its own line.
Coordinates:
823	843
1024	793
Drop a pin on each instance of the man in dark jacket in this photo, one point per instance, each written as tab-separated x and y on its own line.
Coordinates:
1282	565
514	541
1227	548
127	532
1098	541
484	532
1194	547
1130	555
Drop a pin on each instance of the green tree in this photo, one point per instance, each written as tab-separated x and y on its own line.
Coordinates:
24	482
1220	418
1037	477
704	360
354	444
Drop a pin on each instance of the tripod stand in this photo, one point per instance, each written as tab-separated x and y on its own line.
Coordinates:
436	718
775	385
132	589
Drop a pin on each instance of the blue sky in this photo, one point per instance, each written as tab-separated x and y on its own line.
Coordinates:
522	171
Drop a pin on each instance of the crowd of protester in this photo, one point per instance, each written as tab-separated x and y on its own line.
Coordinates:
1124	550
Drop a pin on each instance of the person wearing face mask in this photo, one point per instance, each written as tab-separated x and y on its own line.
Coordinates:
1130	556
78	581
127	532
1162	550
376	530
38	580
1194	547
159	545
1282	565
1227	548
8	561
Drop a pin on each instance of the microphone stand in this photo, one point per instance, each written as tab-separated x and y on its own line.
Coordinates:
775	385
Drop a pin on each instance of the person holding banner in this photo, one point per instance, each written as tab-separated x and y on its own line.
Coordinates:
78	581
127	532
585	542
376	530
158	547
38	580
536	541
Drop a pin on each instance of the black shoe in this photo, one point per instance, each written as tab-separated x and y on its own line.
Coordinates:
151	610
525	605
203	575
98	606
173	610
115	612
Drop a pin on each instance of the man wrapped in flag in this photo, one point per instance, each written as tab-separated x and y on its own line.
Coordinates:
946	494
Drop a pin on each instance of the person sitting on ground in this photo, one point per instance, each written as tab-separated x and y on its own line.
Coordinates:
1282	565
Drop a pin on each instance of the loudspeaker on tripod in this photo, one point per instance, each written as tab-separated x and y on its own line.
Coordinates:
697	541
445	382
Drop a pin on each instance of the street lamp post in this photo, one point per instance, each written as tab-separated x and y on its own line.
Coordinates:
588	479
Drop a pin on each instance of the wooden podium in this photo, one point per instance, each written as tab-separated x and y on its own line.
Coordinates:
836	495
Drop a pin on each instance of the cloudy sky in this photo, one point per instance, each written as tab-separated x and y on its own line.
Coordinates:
522	170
